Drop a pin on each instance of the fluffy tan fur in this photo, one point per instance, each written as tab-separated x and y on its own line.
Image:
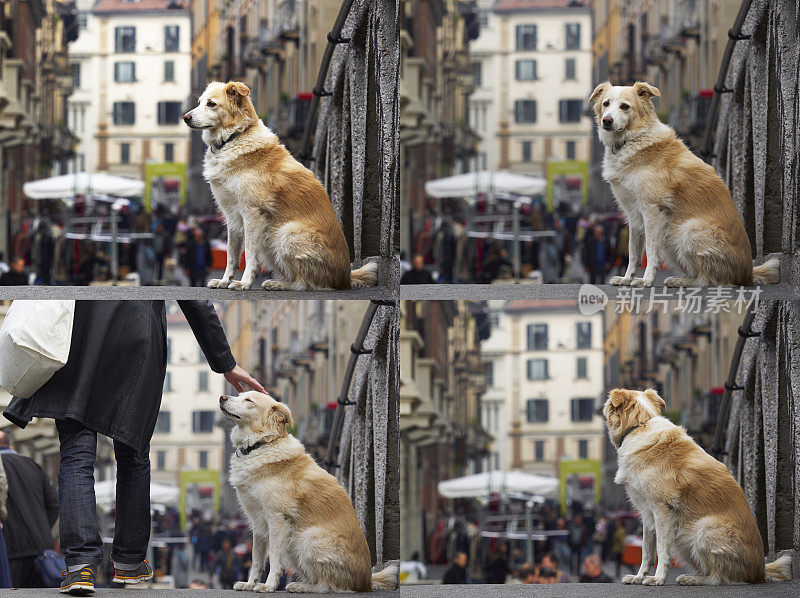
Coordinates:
678	208
272	204
298	512
690	505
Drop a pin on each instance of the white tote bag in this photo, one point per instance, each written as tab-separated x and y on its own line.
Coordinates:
34	344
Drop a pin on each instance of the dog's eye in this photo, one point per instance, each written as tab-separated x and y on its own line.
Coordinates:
624	106
249	401
211	104
606	103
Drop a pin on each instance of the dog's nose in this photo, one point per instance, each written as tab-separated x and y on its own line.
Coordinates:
607	121
187	117
223	398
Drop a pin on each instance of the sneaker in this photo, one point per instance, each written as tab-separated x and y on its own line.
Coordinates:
130	576
78	583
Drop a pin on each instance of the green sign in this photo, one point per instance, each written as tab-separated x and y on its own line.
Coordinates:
200	491
574	482
561	183
161	173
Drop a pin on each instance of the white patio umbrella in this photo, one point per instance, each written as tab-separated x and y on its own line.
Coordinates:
502	482
485	181
81	183
106	493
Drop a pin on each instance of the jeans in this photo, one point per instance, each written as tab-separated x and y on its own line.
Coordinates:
80	537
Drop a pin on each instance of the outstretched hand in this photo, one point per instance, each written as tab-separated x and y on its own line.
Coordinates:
238	378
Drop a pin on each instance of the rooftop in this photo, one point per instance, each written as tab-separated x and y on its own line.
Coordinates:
112	6
536	5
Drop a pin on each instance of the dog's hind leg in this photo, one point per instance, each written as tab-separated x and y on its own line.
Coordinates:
698	580
648	550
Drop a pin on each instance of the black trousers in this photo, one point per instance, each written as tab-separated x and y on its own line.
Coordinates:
24	573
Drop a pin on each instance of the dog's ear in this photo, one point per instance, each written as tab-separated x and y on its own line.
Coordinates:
237	90
656	400
598	91
280	414
645	90
617	397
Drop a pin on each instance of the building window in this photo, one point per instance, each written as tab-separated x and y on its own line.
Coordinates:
169	152
202	381
569	68
569	111
169	350
538	450
537	411
162	422
537	337
161	460
584	335
525	111
124	153
582	368
526	38
75	67
570	150
82	19
537	369
573	36
169	113
483	18
124	39
583	449
489	370
125	72
525	70
202	421
171	38
526	151
169	70
202	459
477	79
124	113
582	410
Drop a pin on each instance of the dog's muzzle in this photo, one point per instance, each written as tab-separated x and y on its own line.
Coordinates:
222	400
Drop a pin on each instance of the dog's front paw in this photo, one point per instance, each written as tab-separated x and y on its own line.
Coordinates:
620	281
265	587
652	580
217	283
243	586
238	285
641	282
632	579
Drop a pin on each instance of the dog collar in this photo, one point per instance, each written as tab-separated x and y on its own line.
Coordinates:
625	435
615	149
243	452
229	139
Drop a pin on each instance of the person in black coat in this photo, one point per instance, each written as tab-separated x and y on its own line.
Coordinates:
457	573
112	385
16	276
597	258
196	258
32	506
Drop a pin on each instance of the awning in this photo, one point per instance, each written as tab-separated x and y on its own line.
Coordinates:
500	482
82	183
484	181
106	493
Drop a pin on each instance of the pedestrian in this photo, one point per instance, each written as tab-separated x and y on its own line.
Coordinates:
497	568
44	253
147	263
618	545
550	562
457	573
16	276
112	384
597	255
196	257
418	274
32	509
4	267
179	566
228	567
593	571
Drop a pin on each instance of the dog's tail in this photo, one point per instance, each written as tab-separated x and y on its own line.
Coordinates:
365	276
388	579
768	272
778	570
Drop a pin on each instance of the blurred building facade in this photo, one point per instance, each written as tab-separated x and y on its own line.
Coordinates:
544	380
35	80
436	79
441	383
532	66
131	75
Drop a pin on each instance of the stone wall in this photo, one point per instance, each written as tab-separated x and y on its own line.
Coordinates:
356	143
369	453
758	133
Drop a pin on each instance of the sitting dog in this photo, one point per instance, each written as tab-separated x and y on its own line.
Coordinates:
271	202
690	505
297	511
677	207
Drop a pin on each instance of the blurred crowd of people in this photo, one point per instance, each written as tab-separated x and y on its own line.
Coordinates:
160	248
577	248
